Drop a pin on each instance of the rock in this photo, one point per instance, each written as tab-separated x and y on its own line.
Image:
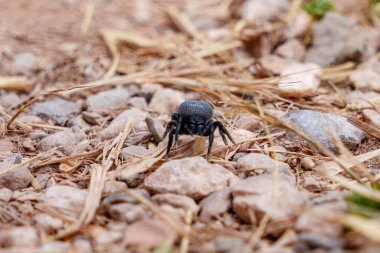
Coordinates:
5	194
68	199
47	222
82	246
23	63
367	78
126	212
156	128
121	197
17	179
239	135
300	80
154	231
7	147
105	101
20	237
67	138
52	246
58	110
139	102
178	201
194	177
132	152
260	163
93	118
307	163
317	125
37	135
9	100
150	87
275	64
268	10
248	122
229	244
79	122
310	183
292	49
214	205
281	156
372	117
166	101
298	26
357	100
254	195
309	241
337	39
117	125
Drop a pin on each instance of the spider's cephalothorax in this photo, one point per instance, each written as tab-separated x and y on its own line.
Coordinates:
194	118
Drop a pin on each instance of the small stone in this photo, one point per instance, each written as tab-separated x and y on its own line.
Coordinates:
79	122
248	122
261	163
367	78
254	196
47	222
5	194
58	110
263	9
82	246
214	205
298	26
150	87
105	101
121	197
292	49
310	183
126	212
20	237
134	152
178	201
37	135
372	117
281	156
156	128
93	118
9	100
166	101
68	199
117	125
229	244
154	231
300	80
357	100
275	64
67	139
307	163
139	102
317	126
239	135
14	180
55	246
23	63
194	177
7	147
42	179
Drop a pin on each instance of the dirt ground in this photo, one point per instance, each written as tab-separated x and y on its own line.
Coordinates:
87	89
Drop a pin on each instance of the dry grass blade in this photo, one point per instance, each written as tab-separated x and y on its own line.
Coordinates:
13	83
88	14
367	128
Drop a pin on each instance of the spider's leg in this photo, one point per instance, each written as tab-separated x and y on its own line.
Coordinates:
188	130
207	127
223	137
170	144
177	129
224	130
169	127
210	141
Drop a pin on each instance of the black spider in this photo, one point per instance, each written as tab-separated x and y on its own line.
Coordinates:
194	118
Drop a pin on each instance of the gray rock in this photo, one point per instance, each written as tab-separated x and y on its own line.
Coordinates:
226	244
21	237
47	222
57	110
126	212
67	138
132	152
194	177
139	102
9	99
105	101
215	204
24	62
337	39
17	179
121	197
292	49
166	101
317	126
5	194
178	201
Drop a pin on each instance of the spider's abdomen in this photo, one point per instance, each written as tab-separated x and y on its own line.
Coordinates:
192	108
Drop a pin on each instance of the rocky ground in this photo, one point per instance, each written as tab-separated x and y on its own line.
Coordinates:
86	91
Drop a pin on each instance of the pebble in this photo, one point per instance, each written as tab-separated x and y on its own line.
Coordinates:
154	231
67	138
23	63
194	177
338	39
126	212
92	118
300	80
281	156
9	99
367	78
17	179
214	205
298	26
5	194
7	147
105	101
229	244
166	101
307	163
248	122
372	117
310	183
117	125
316	126
134	152
58	110
20	237
48	223
261	163
254	195
139	102
178	201
263	9
121	197
156	128
292	49
275	64
66	198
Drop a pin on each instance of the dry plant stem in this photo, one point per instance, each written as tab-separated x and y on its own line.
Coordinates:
257	235
13	83
367	128
184	248
88	14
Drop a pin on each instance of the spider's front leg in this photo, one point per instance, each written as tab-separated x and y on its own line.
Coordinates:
173	122
170	144
223	131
